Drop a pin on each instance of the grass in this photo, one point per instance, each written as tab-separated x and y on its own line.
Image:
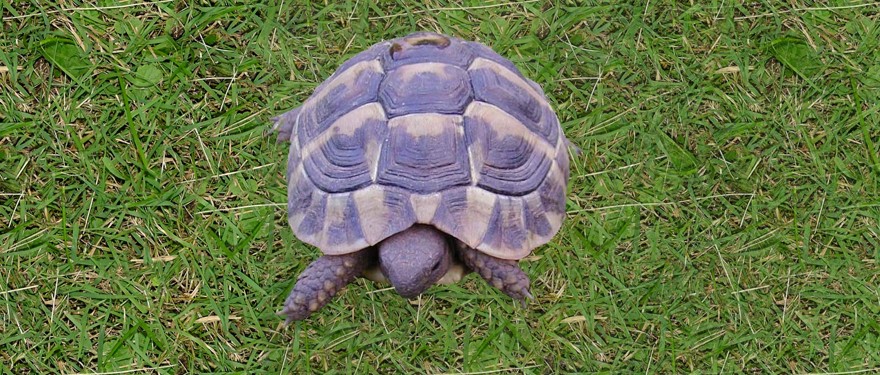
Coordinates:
724	216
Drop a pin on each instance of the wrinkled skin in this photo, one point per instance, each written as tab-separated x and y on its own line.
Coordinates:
415	259
411	261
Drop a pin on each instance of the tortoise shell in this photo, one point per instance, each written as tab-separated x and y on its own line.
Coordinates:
426	129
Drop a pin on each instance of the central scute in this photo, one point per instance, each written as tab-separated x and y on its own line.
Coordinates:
425	153
425	87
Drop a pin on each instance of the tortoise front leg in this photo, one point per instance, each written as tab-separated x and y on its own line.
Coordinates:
322	279
503	274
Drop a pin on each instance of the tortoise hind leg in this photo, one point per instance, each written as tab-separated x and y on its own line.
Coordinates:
284	125
322	279
503	274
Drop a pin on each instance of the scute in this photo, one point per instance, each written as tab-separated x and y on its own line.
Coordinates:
484	52
507	229
464	213
305	205
508	157
426	129
424	153
383	211
415	48
342	226
535	218
342	159
350	89
502	88
426	88
371	54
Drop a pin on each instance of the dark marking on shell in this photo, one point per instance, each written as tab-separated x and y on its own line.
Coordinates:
552	197
511	165
401	211
428	39
425	88
493	84
341	164
455	53
453	206
395	48
313	217
536	220
324	108
424	163
506	228
347	229
299	196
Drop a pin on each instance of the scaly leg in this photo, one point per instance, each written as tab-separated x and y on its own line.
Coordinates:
322	279
503	274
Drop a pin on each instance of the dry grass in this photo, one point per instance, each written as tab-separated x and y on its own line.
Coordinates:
723	216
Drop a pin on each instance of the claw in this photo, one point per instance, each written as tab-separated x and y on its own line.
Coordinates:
287	319
525	295
503	274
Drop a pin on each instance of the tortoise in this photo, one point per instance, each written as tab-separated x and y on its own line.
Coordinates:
419	160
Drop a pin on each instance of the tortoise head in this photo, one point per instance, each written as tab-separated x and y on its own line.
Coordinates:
415	259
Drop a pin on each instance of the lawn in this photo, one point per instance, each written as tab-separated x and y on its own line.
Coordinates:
723	217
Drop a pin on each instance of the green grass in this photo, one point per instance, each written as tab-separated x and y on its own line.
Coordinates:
724	215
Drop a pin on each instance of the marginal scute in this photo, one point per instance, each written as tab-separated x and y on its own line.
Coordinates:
535	86
483	51
342	229
552	191
551	194
427	39
304	201
562	161
382	212
401	52
424	153
506	237
373	53
294	155
465	213
425	88
536	219
425	205
371	202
